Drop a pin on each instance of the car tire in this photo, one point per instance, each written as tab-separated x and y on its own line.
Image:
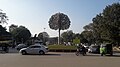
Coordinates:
89	52
41	52
24	52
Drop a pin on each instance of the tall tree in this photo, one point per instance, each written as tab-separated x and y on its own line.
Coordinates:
106	25
88	35
111	16
21	34
59	21
3	17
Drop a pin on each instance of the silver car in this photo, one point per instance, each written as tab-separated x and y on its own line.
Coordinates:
34	49
94	49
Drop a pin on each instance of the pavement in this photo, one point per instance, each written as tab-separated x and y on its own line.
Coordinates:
58	59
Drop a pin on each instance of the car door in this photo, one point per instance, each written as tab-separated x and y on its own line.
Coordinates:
37	49
30	50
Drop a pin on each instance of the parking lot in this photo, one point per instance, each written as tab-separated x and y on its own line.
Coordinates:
53	59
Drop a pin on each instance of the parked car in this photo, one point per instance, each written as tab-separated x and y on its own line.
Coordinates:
4	49
94	49
20	46
34	49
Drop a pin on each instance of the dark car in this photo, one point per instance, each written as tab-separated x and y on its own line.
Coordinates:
20	46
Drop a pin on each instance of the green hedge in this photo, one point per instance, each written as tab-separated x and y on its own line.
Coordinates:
61	47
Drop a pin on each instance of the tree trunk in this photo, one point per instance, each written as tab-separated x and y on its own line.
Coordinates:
59	38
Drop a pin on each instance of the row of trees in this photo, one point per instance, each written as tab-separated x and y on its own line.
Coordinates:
21	34
69	36
105	27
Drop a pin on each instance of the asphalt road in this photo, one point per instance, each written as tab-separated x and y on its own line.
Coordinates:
53	59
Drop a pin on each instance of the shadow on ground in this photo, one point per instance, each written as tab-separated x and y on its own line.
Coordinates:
45	54
113	56
97	55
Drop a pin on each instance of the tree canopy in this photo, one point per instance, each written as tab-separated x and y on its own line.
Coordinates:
67	36
3	17
106	25
59	21
43	36
20	34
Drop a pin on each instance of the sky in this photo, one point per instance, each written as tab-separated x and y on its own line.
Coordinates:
35	14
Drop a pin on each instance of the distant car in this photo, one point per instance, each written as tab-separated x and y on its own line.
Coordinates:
20	46
86	46
94	49
34	49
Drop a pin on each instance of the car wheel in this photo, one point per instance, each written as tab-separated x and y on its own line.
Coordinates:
24	52
41	52
18	49
89	51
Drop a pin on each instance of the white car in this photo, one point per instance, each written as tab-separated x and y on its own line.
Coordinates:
34	49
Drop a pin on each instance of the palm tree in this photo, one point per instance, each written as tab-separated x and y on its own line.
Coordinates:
59	21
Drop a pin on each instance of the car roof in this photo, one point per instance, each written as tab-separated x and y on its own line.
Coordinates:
20	44
35	45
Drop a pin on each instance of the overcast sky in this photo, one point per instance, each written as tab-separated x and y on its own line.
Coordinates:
34	14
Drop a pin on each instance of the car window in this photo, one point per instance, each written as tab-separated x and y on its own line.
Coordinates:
35	47
94	46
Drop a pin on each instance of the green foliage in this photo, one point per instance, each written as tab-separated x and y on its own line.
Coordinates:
4	35
43	36
21	34
59	21
2	29
67	36
62	47
88	35
105	26
76	41
3	17
12	27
